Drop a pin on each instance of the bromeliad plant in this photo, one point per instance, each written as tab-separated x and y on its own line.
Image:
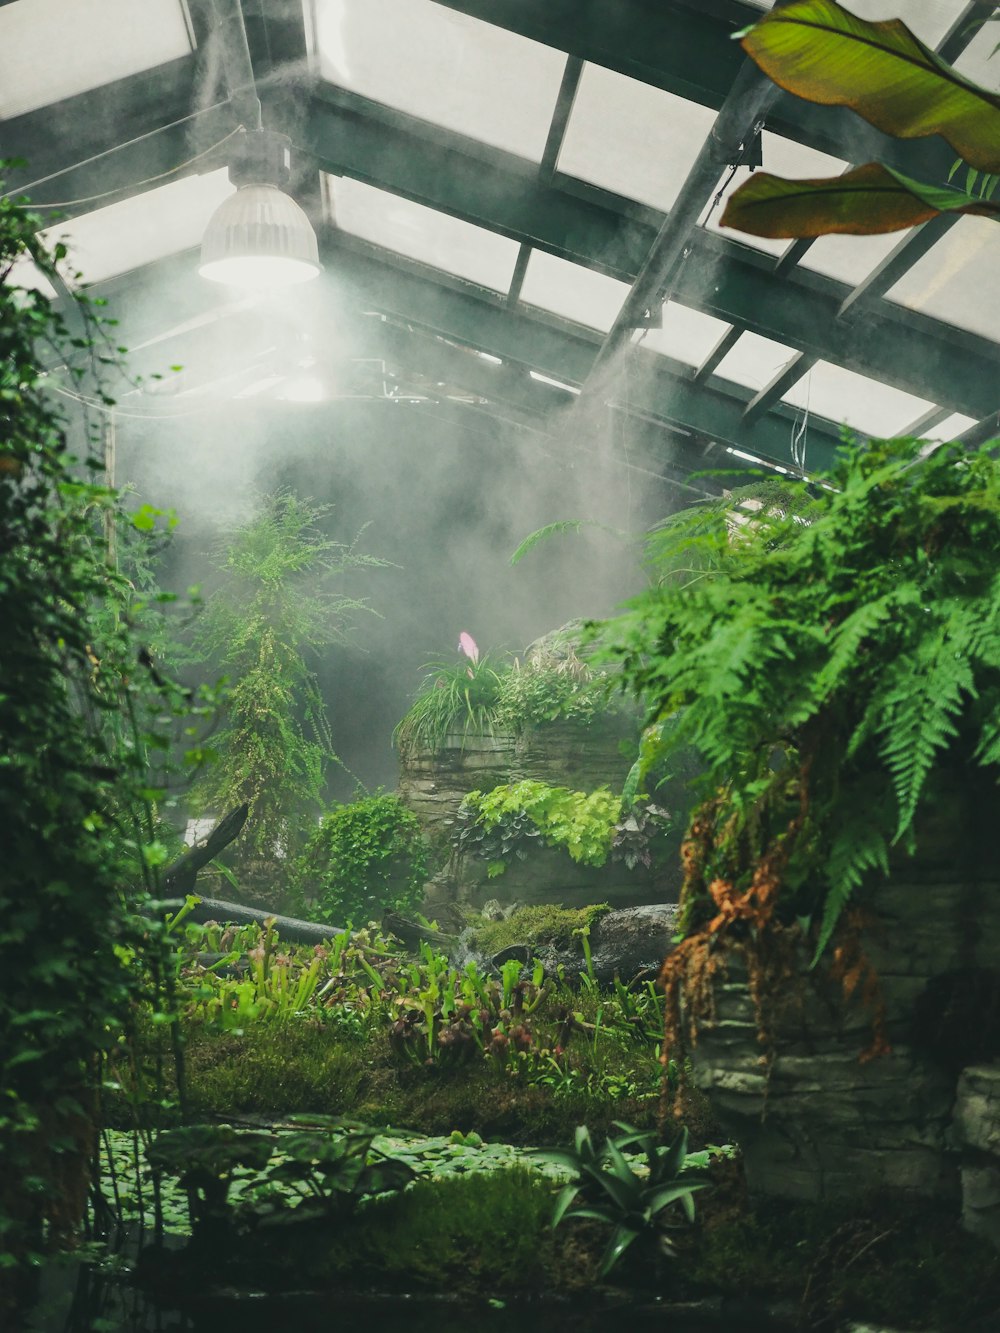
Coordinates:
822	52
824	669
607	1187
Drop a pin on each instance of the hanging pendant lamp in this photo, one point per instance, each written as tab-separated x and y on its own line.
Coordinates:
259	237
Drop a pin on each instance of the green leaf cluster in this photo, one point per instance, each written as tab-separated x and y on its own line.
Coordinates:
279	600
610	1190
582	823
824	662
82	708
822	52
464	698
366	857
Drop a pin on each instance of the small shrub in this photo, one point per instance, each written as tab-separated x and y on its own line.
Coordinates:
365	858
581	822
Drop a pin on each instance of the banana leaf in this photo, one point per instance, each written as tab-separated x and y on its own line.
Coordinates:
862	202
819	51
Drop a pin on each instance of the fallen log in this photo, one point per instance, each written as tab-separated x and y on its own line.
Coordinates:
181	876
290	928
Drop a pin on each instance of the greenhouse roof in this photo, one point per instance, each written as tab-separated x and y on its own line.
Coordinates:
517	206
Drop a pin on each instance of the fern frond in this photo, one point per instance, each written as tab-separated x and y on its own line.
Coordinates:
925	696
558	529
857	850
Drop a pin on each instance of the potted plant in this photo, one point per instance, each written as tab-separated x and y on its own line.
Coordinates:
836	662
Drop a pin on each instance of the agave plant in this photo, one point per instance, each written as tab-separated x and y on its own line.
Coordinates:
821	52
634	1204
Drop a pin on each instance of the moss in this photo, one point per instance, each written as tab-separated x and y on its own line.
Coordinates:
547	923
483	1232
270	1067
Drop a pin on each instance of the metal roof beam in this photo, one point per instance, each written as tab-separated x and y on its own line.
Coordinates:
772	393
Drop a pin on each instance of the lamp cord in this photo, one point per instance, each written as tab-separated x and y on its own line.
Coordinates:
132	185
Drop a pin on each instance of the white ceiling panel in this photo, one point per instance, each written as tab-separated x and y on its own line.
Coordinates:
855	400
574	292
951	428
632	139
146	227
849	259
958	279
754	361
441	65
422	233
687	335
51	49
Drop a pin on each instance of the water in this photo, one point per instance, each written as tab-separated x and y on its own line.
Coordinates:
76	1298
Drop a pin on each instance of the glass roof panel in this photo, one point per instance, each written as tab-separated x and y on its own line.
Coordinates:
146	227
951	427
958	279
51	49
784	157
628	137
849	258
572	291
754	361
855	400
443	66
687	335
422	233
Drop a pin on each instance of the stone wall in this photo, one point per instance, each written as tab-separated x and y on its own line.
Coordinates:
565	754
816	1123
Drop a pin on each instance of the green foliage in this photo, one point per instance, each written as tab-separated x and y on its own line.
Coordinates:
824	53
322	1169
366	858
485	696
583	823
822	668
537	926
80	709
610	1190
455	699
279	600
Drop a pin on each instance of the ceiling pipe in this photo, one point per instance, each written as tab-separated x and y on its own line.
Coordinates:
230	36
747	102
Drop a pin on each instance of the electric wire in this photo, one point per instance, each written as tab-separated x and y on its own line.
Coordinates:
132	185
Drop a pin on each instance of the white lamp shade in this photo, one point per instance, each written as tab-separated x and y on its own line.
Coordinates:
259	237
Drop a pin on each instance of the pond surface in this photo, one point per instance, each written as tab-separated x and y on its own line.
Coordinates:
77	1299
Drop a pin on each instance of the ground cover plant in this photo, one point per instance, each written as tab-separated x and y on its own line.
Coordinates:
500	825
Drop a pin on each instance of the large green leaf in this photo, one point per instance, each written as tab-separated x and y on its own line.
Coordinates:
864	201
819	51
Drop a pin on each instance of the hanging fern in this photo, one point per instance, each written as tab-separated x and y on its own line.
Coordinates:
824	656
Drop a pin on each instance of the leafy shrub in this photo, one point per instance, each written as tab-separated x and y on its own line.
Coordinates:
366	857
580	822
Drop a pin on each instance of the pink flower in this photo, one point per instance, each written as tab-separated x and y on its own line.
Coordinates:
467	645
